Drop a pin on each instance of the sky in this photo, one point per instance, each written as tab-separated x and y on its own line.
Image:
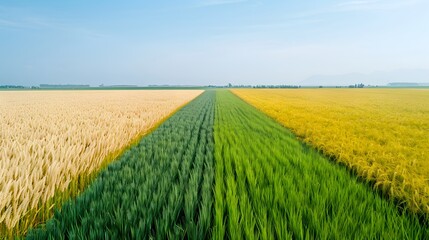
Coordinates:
208	42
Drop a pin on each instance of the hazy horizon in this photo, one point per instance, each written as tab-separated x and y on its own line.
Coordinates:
213	42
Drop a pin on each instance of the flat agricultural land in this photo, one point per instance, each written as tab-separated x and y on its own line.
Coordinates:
161	188
269	185
221	168
382	134
53	141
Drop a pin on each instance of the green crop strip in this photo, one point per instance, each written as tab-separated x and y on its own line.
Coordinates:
270	186
161	188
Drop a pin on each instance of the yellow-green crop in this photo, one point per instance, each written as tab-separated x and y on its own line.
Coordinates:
382	134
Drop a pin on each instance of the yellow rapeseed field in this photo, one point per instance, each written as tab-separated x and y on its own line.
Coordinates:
52	141
382	134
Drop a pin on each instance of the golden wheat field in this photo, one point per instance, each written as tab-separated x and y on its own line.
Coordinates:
51	141
382	134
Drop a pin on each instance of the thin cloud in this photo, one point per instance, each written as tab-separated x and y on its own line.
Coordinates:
208	3
290	23
355	3
5	23
354	6
20	20
25	23
369	5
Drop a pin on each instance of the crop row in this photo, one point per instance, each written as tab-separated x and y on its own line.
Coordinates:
52	143
271	186
160	188
381	134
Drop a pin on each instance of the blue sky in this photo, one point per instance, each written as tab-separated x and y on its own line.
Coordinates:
199	42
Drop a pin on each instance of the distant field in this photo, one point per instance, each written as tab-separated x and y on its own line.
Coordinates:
52	142
382	134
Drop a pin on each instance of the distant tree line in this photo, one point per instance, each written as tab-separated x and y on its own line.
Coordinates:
254	86
360	85
229	85
11	86
64	86
277	86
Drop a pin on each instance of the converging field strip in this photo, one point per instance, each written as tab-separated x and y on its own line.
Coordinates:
162	188
380	134
268	185
53	143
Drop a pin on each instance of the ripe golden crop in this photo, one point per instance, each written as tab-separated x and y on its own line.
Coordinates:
382	134
50	141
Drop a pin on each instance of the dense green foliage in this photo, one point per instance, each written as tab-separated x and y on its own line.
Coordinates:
161	188
270	186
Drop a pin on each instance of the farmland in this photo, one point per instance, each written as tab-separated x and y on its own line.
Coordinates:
217	168
270	186
382	135
160	188
53	142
